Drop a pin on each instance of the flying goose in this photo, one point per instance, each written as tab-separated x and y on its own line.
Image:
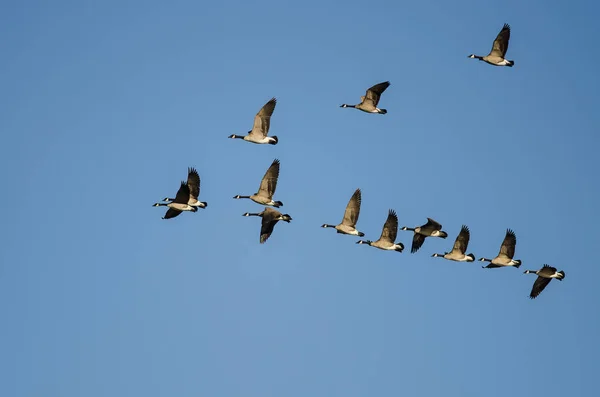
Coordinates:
270	217
193	183
499	48
260	129
371	99
179	204
348	225
545	275
430	229
267	187
460	247
388	235
506	254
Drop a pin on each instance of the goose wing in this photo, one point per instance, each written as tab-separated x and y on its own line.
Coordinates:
268	223
171	213
547	271
500	45
538	286
353	209
390	228
262	120
508	245
462	240
374	93
183	194
417	242
432	224
193	183
269	181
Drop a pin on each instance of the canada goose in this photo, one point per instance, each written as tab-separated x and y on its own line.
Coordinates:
348	225
499	48
545	275
430	229
270	217
262	122
507	252
193	183
371	99
460	247
267	187
388	235
179	204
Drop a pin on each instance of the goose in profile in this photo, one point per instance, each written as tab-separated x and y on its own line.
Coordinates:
545	275
388	235
270	217
506	254
179	204
267	188
193	183
460	247
430	229
260	129
499	48
370	101
348	225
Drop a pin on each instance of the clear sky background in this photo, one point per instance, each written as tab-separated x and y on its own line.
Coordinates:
104	105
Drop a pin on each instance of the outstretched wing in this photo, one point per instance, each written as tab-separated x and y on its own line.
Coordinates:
262	120
171	213
500	45
508	245
433	224
269	220
183	194
390	228
193	183
418	240
462	240
538	286
269	181
374	93
353	209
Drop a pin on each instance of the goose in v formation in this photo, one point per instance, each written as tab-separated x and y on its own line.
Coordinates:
388	235
270	217
267	187
460	248
179	204
348	225
545	275
193	183
370	101
497	55
506	254
430	229
260	130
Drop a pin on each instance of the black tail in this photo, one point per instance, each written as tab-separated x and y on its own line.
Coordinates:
382	111
361	234
278	204
562	274
276	140
510	63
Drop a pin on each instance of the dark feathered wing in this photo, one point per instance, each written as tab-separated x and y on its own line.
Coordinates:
509	243
193	183
500	45
269	181
374	93
538	286
262	120
390	228
462	240
353	209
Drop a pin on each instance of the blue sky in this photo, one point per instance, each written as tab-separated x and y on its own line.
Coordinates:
104	106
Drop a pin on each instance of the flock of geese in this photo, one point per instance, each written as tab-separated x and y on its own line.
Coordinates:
186	198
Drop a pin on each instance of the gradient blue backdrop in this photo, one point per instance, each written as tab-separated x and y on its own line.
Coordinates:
104	105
